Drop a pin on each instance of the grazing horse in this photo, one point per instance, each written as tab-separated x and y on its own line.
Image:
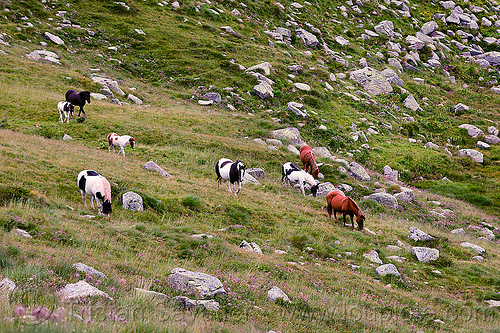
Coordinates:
95	185
66	109
78	99
290	173
337	202
120	141
232	172
307	157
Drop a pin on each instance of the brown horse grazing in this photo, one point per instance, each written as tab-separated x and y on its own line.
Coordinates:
307	157
337	202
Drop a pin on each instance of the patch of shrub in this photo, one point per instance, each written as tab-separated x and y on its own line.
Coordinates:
192	202
13	193
299	241
238	213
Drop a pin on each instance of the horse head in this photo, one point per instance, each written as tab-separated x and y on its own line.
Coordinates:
132	142
241	170
86	95
314	189
360	220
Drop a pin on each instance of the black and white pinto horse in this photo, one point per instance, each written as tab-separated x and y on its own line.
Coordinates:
290	173
232	172
91	183
66	109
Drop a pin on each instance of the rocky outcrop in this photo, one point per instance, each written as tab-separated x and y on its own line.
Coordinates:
81	267
132	201
475	155
199	284
425	254
387	269
80	291
250	247
385	199
372	81
153	166
290	134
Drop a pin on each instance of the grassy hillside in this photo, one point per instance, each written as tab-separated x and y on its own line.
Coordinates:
331	285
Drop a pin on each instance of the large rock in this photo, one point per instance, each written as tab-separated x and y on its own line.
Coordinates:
153	166
460	107
265	67
492	57
132	201
322	152
53	38
249	179
493	139
134	99
190	304
472	130
290	134
406	194
358	172
414	43
21	233
109	83
7	285
276	293
385	27
372	255
387	269
385	199
429	27
199	284
418	235
425	254
391	77
493	130
296	108
250	247
324	189
476	248
390	174
475	155
372	81
80	291
256	172
81	267
302	86
263	90
308	38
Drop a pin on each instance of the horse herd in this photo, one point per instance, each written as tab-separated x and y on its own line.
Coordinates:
96	186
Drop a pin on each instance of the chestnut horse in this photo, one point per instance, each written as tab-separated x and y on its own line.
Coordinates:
337	202
307	157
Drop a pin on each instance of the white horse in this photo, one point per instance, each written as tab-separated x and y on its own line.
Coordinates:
290	173
95	185
232	172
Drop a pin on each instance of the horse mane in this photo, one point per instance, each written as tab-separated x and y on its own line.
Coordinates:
360	212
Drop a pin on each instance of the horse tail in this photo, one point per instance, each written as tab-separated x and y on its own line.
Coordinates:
217	171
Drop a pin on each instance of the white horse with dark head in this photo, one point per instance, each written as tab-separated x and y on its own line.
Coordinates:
232	172
290	173
91	183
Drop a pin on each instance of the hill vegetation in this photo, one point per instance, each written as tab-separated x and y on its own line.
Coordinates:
175	56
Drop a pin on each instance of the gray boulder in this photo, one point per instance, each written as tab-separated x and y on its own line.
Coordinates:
418	235
53	38
411	103
372	255
372	81
472	153
406	194
472	130
250	247
390	174
199	284
476	248
308	38
276	293
387	269
7	285
290	134
460	107
431	145
482	145
322	152
81	267
80	291
99	97
132	201
249	179
358	172
21	233
425	254
493	130
153	166
447	4
429	27
134	99
256	172
293	149
393	62
385	199
414	43
213	96
459	231
391	77
302	86
324	189
296	108
493	139
263	90
492	57
385	27
265	67
189	304
150	294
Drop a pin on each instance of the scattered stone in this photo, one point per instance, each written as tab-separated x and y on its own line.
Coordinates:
372	81
493	303
256	172
264	90
324	189
153	166
411	103
493	130
478	258
213	96
385	27
80	291
200	284
487	233
53	38
387	269
406	194
431	145
132	201
472	130
390	174
482	145
393	248
397	258
21	233
372	255
385	199
296	108
461	108
308	38
302	86
459	231
81	267
472	153
418	235
425	254
290	134
202	236
493	139
97	96
134	99
293	149
358	172
205	103
190	304
7	285
476	248
251	247
429	27
249	179
275	293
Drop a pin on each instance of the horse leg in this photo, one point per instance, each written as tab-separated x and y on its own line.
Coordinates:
352	220
329	210
61	118
122	150
344	218
99	210
92	201
229	186
239	187
84	198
